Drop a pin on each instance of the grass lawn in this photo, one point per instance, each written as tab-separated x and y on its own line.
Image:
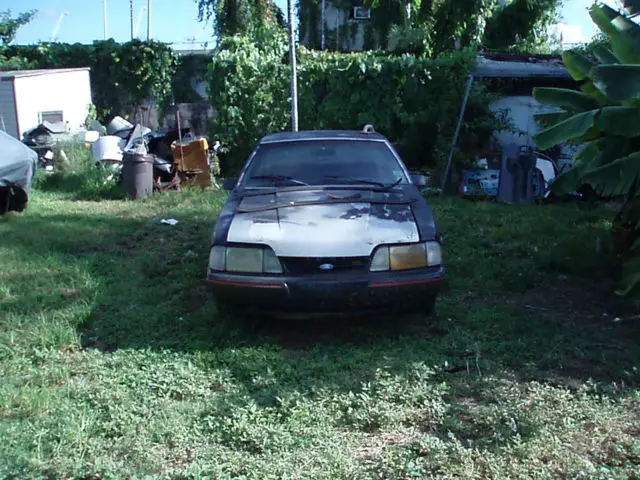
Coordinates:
114	363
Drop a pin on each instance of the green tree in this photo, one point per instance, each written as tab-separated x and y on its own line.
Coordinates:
240	17
431	27
9	26
604	117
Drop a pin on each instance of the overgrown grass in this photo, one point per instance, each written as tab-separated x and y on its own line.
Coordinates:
114	363
77	176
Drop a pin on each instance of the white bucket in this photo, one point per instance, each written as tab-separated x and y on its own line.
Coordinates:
107	148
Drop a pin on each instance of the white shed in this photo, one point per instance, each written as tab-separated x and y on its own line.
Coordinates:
29	97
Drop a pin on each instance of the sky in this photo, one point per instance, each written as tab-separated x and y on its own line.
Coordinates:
82	21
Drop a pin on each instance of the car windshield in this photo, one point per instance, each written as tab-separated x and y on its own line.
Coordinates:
324	162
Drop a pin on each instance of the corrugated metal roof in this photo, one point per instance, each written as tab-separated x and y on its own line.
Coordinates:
500	69
32	73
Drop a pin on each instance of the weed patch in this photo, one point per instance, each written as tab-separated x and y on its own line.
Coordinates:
115	362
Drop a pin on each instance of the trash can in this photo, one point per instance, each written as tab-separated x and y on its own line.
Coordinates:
137	175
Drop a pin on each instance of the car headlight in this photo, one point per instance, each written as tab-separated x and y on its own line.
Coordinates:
243	260
406	257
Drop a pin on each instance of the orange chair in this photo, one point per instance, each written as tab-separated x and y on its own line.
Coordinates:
191	162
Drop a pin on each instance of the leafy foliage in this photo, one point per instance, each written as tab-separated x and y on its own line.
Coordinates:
240	17
521	25
414	102
605	119
8	28
431	27
189	67
123	76
413	40
249	90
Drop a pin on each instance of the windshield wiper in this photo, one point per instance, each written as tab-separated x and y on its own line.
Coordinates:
278	178
350	181
353	181
391	185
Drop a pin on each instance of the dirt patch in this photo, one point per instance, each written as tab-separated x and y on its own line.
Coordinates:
373	445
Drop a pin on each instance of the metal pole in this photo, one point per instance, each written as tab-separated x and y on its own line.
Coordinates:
131	15
148	20
104	13
463	107
294	71
322	26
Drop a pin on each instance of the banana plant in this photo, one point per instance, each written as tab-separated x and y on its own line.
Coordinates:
603	117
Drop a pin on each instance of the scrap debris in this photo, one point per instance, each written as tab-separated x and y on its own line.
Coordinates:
516	174
178	156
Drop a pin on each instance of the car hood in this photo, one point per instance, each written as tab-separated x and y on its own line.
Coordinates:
321	223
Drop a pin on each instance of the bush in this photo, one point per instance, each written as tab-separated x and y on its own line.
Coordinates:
415	102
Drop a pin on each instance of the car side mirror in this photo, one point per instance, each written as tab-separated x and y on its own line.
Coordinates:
419	180
229	183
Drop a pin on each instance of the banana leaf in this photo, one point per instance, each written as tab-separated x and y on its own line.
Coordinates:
604	55
589	158
567	99
570	180
589	152
618	82
577	65
623	34
550	118
590	89
616	178
571	128
623	121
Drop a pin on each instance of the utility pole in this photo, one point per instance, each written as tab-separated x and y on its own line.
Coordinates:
294	73
148	20
104	13
322	26
131	15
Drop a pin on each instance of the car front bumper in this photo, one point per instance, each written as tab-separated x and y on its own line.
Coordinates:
329	293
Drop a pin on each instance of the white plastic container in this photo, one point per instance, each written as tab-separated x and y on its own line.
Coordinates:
107	148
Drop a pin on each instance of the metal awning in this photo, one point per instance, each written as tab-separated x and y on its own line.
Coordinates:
486	68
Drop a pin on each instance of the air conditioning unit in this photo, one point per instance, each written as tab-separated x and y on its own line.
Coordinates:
361	13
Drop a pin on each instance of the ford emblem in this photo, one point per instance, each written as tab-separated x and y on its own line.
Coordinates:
326	266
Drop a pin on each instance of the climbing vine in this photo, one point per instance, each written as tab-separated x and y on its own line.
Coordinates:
123	76
240	17
414	102
189	67
432	27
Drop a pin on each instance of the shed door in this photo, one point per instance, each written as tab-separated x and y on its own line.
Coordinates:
8	121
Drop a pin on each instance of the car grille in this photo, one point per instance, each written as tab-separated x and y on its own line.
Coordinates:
305	265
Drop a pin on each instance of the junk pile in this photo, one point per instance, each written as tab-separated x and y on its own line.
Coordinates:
43	138
516	175
18	164
173	157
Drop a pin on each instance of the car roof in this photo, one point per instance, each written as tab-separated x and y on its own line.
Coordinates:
322	135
